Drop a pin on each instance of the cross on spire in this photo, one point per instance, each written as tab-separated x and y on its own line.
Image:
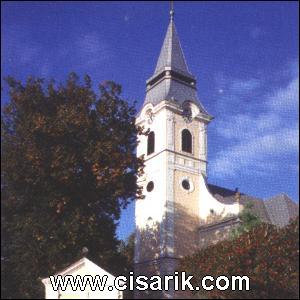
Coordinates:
172	10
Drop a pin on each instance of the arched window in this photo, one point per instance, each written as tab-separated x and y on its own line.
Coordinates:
186	141
151	143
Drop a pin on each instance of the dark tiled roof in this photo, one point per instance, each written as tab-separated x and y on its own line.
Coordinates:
224	195
258	207
278	210
281	209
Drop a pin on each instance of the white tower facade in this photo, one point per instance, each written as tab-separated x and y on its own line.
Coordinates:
175	152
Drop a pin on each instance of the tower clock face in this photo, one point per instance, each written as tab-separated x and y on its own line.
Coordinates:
150	116
187	112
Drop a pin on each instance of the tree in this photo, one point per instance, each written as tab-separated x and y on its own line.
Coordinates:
248	221
68	168
127	251
268	255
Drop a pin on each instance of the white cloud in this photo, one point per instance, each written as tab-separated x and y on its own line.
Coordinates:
232	92
244	86
92	49
236	86
285	99
256	32
257	139
256	155
91	44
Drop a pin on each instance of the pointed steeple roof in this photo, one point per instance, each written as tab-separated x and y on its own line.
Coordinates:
171	54
172	80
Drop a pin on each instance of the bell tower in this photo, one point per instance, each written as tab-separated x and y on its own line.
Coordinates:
175	153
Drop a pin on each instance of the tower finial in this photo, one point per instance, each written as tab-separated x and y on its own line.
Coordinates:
172	10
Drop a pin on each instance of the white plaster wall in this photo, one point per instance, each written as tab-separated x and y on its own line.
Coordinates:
158	126
158	205
83	267
203	142
160	167
150	211
208	202
153	204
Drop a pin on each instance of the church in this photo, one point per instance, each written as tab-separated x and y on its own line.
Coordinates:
181	212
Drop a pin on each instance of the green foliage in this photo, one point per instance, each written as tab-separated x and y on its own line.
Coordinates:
248	221
267	255
127	251
68	168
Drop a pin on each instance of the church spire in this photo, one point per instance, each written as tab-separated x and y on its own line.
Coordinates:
171	54
172	80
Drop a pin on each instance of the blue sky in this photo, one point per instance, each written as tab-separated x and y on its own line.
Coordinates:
244	55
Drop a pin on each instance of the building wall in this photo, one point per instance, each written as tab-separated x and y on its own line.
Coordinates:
81	268
150	212
169	211
162	266
217	232
168	219
186	214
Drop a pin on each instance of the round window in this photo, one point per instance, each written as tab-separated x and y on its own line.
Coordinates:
150	186
185	184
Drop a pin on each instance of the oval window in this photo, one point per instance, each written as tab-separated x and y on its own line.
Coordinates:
150	186
185	184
